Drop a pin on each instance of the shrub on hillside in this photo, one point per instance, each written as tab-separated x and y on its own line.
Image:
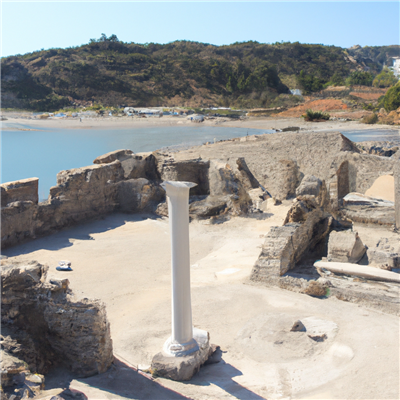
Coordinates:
360	78
385	79
391	100
312	115
370	119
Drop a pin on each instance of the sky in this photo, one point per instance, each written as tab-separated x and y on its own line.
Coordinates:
28	26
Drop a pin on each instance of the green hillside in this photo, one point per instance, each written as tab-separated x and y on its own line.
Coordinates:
112	73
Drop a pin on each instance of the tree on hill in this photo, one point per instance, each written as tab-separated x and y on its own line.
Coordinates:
385	79
360	78
391	100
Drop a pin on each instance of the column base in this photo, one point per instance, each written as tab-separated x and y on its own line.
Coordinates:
180	362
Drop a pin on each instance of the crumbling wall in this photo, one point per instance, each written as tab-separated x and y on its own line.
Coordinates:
22	190
286	245
80	195
397	188
43	325
193	170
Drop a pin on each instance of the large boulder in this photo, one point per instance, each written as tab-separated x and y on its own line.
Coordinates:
313	188
345	246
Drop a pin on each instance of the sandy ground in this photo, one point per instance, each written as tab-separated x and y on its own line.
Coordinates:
27	123
125	261
382	188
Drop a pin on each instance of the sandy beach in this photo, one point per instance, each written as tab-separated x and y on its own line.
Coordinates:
23	121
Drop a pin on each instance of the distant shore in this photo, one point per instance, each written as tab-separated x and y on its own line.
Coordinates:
25	121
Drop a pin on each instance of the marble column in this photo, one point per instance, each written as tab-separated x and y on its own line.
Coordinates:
181	341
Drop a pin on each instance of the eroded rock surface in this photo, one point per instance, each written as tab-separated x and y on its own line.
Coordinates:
43	325
385	255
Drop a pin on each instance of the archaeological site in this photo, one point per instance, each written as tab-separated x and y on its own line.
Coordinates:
285	259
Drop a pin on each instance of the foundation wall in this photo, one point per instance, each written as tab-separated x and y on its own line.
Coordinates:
396	175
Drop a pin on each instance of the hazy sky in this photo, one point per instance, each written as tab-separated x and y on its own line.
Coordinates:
32	25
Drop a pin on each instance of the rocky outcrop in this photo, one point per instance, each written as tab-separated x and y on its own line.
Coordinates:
345	246
43	325
84	193
81	194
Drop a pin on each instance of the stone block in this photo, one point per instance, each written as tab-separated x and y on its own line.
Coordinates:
286	245
22	190
112	156
138	195
183	368
345	246
310	185
385	255
195	171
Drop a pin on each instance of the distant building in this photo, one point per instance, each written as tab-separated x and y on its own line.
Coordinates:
296	92
396	67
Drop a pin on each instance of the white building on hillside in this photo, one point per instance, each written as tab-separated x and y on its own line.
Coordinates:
396	66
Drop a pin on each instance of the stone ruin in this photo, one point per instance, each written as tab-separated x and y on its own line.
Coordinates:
233	178
44	326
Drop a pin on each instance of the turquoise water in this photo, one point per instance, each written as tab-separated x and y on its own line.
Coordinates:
44	153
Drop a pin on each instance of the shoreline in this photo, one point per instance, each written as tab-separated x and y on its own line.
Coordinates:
266	123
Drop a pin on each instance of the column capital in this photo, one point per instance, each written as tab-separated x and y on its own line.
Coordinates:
176	187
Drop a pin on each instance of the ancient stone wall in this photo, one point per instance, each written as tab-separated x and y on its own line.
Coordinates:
44	326
22	190
123	181
80	195
397	189
279	161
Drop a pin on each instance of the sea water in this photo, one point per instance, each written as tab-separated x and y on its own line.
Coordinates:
43	153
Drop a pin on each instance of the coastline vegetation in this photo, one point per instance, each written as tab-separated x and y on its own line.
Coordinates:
112	73
312	115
